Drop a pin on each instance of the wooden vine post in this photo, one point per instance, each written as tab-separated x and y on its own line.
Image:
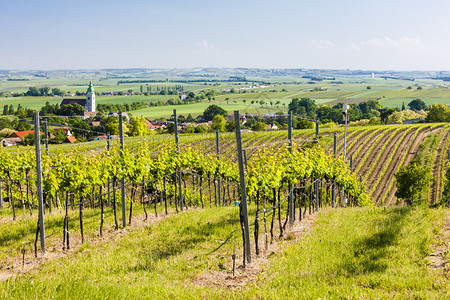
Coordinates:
243	204
316	200
39	180
122	188
334	180
178	173
219	181
46	135
291	195
1	197
108	140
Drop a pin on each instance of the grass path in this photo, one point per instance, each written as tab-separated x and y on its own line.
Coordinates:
358	253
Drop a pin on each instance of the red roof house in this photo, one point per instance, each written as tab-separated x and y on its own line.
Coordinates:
21	134
70	140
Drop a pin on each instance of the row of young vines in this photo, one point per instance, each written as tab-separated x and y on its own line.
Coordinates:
82	180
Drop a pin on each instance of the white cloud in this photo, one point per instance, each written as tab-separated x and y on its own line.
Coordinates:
402	42
207	47
354	47
323	44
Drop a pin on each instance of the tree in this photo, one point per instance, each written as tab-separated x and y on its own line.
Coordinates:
230	126
213	110
32	91
369	87
417	104
259	126
200	129
325	112
189	129
110	124
60	136
81	130
73	109
303	107
21	113
218	122
137	126
11	110
411	180
385	114
23	125
57	92
438	113
5	110
304	124
28	140
190	119
43	91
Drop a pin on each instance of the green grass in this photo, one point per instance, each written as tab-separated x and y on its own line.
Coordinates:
360	254
397	102
28	102
198	108
351	253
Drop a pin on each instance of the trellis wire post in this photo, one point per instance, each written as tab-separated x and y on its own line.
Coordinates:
245	158
335	144
242	185
344	111
291	196
122	188
317	178
39	180
351	162
334	182
180	190
218	158
345	108
46	148
317	129
108	137
46	135
1	198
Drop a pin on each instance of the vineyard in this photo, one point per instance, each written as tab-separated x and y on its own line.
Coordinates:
95	189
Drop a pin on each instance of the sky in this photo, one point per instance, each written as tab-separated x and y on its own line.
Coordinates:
323	34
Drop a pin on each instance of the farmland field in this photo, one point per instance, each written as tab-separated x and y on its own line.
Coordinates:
391	93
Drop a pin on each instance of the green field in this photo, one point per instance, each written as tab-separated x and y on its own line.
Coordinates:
198	108
397	102
29	102
391	93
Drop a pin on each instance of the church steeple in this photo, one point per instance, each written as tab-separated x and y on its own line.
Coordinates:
90	88
90	98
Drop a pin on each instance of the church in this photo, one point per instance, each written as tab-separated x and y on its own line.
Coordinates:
88	103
